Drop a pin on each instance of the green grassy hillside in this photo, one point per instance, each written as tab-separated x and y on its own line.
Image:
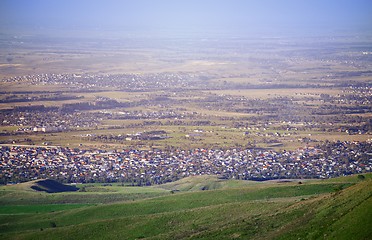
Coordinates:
232	210
207	182
23	194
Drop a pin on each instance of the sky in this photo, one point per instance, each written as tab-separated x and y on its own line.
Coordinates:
225	16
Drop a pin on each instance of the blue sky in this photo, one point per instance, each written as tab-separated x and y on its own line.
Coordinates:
242	16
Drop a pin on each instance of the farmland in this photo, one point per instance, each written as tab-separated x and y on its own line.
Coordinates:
245	108
223	106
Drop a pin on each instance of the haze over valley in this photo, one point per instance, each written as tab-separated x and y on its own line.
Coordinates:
134	102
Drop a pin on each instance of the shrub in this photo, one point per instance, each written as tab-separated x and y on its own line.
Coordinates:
361	177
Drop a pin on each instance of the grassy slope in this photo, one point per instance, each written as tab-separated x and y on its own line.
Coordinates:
342	215
198	183
271	210
22	194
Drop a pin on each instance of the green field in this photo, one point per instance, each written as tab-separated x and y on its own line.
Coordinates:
203	207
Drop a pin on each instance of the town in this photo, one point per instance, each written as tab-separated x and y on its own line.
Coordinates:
139	167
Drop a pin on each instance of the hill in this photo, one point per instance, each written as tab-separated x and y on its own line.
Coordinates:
289	210
208	182
344	214
42	185
52	186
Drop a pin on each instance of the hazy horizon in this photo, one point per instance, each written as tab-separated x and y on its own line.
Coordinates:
187	18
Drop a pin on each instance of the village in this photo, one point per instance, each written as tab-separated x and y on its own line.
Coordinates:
338	112
132	82
148	167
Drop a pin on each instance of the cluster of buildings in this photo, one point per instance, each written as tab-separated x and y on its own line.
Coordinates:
139	114
147	167
49	121
119	81
147	135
